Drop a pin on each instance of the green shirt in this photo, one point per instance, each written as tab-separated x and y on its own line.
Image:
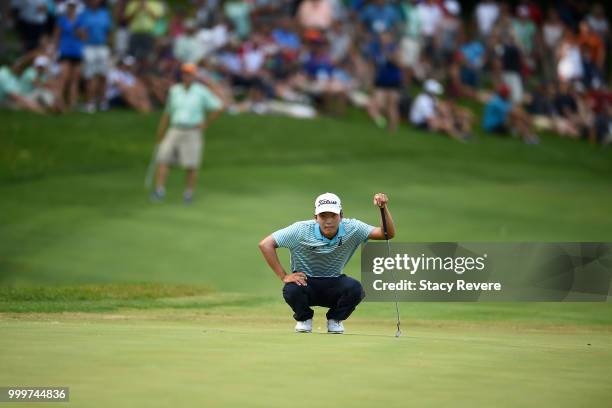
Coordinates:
525	32
187	107
412	21
8	83
27	79
239	12
144	20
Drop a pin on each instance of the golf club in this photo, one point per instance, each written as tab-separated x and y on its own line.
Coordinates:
148	181
384	221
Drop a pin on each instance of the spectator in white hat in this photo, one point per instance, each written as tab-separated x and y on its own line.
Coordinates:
429	113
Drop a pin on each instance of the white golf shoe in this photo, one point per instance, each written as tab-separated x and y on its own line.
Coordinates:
304	327
335	326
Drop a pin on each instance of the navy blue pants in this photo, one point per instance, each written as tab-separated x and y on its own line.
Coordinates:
341	295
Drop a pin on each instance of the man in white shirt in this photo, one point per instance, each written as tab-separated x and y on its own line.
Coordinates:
428	113
430	16
31	21
423	110
486	15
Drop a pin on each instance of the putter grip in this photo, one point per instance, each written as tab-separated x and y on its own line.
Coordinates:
384	221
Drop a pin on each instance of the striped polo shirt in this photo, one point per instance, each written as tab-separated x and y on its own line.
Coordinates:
316	255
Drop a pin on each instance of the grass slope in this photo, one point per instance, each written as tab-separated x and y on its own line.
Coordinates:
74	209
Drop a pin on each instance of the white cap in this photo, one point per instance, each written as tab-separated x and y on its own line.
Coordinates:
434	87
328	202
72	2
41	61
453	7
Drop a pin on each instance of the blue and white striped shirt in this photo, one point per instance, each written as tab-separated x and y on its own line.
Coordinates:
316	255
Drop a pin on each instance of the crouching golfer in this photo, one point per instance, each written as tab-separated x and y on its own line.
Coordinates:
320	249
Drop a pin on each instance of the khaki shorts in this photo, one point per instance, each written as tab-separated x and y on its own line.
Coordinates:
183	147
96	60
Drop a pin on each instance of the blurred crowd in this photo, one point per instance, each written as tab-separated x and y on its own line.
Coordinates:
428	63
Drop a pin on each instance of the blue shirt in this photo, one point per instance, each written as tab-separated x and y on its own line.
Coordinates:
286	39
380	19
473	52
70	45
316	255
496	113
97	23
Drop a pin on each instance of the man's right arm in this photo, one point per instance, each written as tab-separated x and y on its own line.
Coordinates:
268	246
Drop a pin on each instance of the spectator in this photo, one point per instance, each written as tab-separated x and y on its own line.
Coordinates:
387	82
186	46
380	17
142	17
176	26
410	44
35	84
593	45
239	13
569	66
430	16
124	88
31	21
569	121
96	22
10	93
524	30
472	58
316	14
487	12
206	12
428	113
449	35
541	107
600	102
339	38
69	34
501	117
598	23
552	33
512	65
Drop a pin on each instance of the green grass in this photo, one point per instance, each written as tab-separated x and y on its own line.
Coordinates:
135	304
229	360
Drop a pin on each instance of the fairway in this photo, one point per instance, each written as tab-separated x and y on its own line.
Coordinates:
131	303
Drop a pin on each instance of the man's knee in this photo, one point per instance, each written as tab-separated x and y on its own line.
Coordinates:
353	289
291	291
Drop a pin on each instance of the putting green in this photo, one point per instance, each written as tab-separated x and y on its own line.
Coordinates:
230	358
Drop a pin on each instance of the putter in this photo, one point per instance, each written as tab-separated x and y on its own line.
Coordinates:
397	313
148	181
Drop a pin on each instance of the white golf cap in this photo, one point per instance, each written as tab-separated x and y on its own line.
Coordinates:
434	87
41	61
328	202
